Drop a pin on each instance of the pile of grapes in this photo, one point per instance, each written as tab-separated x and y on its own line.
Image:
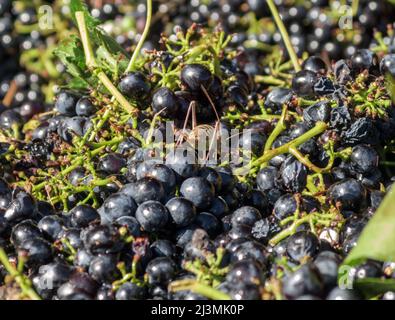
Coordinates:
193	150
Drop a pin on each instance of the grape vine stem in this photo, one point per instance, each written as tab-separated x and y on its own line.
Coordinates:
20	278
284	35
286	148
132	62
198	288
92	65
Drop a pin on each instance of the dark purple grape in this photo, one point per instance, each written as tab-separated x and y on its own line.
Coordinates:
199	191
134	85
196	75
165	101
303	83
66	102
315	64
152	216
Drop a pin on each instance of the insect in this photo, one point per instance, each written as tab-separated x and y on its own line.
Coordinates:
203	138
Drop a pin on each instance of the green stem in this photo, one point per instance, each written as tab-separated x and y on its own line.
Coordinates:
148	140
20	278
91	64
116	140
267	156
261	117
305	103
355	5
284	35
15	132
68	245
280	127
244	117
88	51
136	52
198	288
296	153
285	233
126	278
270	80
387	163
76	163
114	91
97	183
102	121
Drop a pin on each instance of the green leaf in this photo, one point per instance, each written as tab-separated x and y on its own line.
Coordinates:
98	37
390	85
78	84
71	54
110	56
70	50
111	45
92	23
372	287
79	5
377	240
113	52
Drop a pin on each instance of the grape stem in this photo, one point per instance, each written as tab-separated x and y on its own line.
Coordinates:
198	288
355	6
286	148
284	35
303	159
319	128
270	80
114	91
20	278
132	62
86	44
280	127
92	65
